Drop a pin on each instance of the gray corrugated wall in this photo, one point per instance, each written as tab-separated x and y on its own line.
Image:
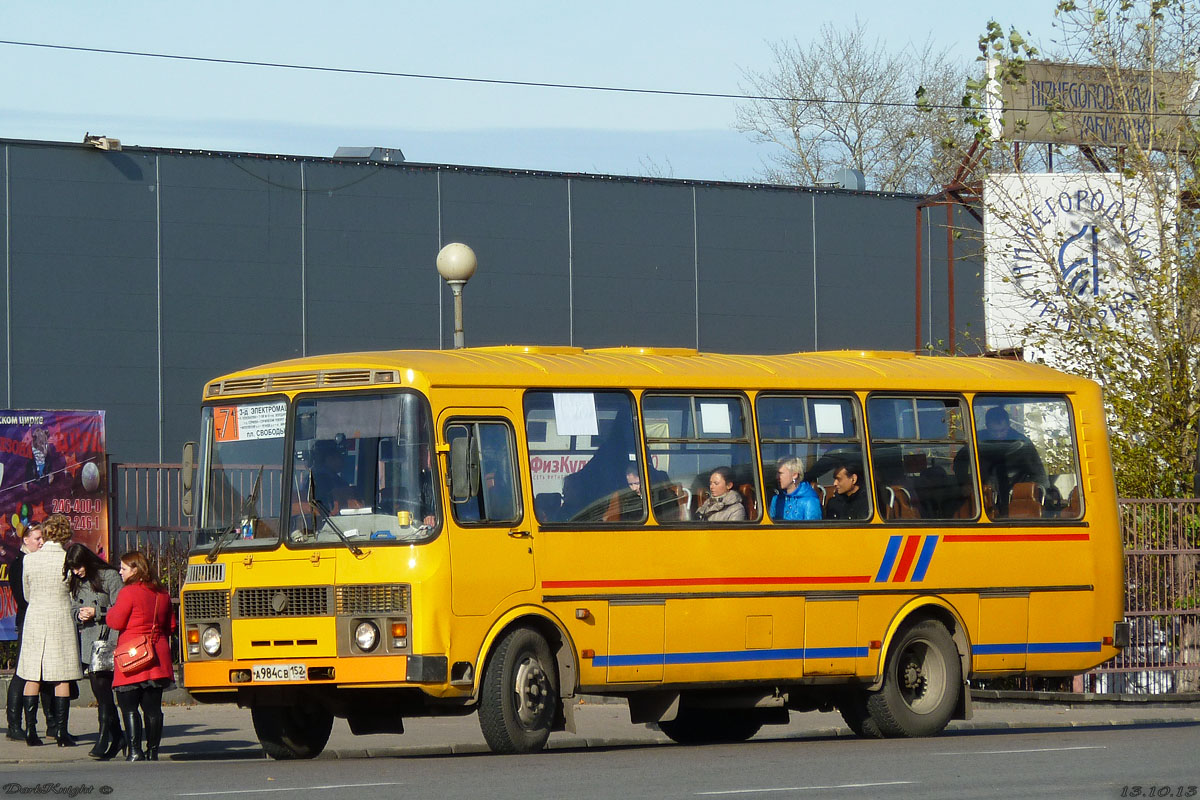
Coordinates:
133	277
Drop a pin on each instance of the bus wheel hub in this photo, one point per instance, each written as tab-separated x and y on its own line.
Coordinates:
532	690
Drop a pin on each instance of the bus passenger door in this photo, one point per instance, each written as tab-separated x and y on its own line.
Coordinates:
491	542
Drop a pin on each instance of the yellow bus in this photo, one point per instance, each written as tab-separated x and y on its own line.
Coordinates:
718	539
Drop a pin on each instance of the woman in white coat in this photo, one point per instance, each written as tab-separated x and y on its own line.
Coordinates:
49	645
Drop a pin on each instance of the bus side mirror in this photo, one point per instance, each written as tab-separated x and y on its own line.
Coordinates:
187	475
464	464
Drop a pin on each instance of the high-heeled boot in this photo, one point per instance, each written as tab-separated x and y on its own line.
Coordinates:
62	715
133	735
29	704
104	736
116	739
46	691
154	726
16	688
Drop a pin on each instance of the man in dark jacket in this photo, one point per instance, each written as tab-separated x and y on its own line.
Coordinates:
850	502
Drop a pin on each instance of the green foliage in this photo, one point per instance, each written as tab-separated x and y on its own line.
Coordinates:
1149	361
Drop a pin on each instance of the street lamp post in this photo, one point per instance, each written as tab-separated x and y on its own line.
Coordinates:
456	264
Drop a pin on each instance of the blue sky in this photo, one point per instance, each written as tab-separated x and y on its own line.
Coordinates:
704	46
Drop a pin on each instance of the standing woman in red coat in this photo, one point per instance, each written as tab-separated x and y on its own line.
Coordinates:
143	607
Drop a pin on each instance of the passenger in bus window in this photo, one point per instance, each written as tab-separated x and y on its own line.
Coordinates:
724	503
850	501
796	499
327	463
632	504
1007	457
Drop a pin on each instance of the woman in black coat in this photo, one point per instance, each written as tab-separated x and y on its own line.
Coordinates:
93	585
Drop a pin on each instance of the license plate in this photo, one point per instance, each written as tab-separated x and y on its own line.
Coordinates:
279	672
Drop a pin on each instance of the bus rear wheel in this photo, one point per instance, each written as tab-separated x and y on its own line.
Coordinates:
292	732
920	685
519	697
711	725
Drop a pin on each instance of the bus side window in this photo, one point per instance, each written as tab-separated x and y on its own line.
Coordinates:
495	502
922	455
583	456
1027	457
688	436
822	432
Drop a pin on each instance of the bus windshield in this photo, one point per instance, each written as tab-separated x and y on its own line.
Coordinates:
241	473
362	470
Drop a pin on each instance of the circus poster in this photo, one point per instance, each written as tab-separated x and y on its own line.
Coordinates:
51	462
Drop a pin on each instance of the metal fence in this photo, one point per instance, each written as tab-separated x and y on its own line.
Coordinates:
146	515
1162	601
1162	569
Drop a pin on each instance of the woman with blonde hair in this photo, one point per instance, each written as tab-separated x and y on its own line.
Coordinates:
143	609
49	646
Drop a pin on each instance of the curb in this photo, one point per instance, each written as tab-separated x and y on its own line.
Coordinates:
1089	698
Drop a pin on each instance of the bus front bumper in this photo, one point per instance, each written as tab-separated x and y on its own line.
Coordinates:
359	671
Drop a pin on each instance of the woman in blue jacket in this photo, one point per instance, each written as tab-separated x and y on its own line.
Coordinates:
796	499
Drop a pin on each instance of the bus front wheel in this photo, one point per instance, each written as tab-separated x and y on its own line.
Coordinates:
519	696
291	732
921	684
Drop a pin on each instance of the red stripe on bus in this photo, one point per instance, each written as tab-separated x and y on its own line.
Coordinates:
906	558
1016	537
643	582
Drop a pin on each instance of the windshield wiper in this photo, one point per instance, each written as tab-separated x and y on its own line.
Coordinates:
313	502
247	508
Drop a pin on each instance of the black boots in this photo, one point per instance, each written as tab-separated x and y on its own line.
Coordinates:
30	706
133	735
62	714
47	694
16	688
154	726
110	741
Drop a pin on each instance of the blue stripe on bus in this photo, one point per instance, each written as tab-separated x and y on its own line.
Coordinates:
728	656
926	556
889	559
1035	648
795	653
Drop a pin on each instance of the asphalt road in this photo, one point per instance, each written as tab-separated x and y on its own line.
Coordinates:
1054	754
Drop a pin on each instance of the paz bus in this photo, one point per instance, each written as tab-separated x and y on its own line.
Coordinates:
499	530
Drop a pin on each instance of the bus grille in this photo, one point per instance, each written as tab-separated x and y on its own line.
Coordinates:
387	598
205	573
209	604
282	601
302	380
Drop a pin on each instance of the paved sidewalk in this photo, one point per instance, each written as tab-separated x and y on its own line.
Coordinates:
222	732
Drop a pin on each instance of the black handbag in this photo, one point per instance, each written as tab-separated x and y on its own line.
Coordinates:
102	652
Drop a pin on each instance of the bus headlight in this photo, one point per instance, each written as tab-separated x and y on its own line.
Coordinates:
366	635
210	640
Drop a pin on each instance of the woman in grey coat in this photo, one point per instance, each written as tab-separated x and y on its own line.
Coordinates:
49	645
94	585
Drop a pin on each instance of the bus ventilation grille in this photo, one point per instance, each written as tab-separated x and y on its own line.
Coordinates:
282	601
302	380
207	604
375	599
205	573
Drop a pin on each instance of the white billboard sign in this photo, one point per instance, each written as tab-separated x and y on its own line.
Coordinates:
1055	241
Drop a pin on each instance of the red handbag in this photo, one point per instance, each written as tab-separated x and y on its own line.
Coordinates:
138	653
